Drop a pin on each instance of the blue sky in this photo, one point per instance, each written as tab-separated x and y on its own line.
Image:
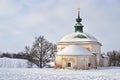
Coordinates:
23	20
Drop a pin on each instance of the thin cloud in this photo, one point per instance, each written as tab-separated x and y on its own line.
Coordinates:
22	20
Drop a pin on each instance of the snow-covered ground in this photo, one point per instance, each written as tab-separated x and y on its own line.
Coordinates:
106	73
16	69
15	63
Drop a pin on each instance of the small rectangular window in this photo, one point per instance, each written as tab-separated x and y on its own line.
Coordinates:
68	64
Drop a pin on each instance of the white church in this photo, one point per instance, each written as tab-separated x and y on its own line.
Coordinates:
79	50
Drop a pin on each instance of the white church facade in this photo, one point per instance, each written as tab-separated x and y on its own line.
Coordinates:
78	50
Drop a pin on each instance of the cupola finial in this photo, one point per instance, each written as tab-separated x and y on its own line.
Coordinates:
79	12
78	26
78	19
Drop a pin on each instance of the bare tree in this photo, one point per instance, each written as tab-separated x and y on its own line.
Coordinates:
27	52
114	58
42	51
28	56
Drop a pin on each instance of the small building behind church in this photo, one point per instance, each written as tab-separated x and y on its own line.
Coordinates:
78	50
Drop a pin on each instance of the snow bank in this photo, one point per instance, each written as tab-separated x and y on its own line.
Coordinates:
50	64
13	63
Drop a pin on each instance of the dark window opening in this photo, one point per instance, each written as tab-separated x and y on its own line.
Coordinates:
68	64
89	64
